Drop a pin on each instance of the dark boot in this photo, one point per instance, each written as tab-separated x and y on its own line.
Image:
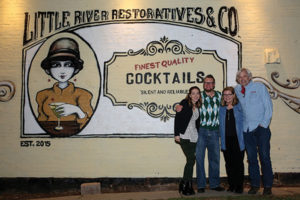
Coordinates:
188	189
192	191
181	186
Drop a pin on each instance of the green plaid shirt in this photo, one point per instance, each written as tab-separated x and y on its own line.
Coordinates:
209	111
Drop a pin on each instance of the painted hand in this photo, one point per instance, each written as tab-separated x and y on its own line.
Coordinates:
69	109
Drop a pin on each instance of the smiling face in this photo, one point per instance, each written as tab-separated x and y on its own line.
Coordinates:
209	84
195	95
228	97
244	78
62	71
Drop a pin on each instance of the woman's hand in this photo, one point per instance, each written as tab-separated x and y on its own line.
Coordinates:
69	109
177	139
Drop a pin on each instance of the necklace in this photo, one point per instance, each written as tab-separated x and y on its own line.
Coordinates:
228	114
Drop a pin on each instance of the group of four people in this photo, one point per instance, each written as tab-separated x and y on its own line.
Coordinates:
240	116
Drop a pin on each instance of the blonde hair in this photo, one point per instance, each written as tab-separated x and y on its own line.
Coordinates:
235	99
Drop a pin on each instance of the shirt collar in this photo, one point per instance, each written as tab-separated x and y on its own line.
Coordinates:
68	89
249	84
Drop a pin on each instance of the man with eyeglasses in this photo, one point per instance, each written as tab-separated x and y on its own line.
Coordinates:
208	136
257	113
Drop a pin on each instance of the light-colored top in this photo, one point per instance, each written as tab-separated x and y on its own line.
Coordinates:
191	132
256	105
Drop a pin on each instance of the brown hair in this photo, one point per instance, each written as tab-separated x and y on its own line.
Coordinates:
235	99
210	76
188	98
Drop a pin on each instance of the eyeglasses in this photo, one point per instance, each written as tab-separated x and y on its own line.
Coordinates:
209	82
227	95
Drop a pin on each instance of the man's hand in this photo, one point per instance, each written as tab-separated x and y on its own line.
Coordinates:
177	139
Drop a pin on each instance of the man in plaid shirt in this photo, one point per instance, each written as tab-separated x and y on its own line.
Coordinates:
209	137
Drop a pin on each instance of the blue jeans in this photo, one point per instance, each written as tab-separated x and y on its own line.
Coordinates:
259	140
209	139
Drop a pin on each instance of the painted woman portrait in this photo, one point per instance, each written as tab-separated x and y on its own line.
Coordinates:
64	108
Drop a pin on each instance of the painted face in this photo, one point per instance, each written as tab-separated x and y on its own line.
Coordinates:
208	84
244	78
195	95
62	71
228	97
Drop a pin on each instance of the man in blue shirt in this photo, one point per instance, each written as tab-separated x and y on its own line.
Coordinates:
257	112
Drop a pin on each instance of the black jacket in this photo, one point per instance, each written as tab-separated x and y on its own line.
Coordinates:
183	118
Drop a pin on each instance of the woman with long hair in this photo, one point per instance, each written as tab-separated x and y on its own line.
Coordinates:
232	140
187	123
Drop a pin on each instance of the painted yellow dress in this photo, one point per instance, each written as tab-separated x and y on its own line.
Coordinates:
71	95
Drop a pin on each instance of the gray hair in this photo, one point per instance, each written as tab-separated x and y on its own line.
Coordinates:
243	70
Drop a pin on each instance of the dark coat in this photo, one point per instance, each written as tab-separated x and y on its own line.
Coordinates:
183	118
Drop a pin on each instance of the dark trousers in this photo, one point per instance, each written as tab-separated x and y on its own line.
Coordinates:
188	149
234	163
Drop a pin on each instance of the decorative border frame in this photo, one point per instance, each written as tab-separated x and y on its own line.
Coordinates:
291	101
164	45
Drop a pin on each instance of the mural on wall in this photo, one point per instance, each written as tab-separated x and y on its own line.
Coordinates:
120	73
7	90
292	102
59	95
121	79
63	109
155	74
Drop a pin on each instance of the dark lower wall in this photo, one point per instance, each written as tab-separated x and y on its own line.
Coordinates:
72	185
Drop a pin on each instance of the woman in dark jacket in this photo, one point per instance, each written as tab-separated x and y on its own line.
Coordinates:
186	134
232	140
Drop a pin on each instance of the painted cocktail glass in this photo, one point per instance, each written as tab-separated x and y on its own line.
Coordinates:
57	112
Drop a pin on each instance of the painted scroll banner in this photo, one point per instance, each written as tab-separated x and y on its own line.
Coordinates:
153	79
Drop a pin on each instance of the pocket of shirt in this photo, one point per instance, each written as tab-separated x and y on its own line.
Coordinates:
253	98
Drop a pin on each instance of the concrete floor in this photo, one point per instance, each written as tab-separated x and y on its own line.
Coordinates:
159	195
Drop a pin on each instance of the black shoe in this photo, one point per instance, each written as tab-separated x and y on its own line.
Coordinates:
253	190
219	189
181	186
267	191
188	189
201	190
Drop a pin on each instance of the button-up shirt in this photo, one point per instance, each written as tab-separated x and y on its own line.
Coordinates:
256	105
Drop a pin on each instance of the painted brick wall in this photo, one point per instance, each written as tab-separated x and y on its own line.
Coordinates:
262	24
